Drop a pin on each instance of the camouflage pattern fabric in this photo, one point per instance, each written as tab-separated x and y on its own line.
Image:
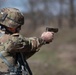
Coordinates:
17	43
11	17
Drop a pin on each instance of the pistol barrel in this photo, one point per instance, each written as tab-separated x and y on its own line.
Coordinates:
55	30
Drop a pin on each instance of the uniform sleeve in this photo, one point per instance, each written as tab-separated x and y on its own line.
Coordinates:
36	43
23	44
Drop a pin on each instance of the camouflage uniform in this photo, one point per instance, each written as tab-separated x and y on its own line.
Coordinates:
15	43
11	45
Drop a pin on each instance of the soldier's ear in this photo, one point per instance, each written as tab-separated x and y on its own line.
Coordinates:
18	29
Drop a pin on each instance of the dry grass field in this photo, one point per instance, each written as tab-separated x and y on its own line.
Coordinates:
57	58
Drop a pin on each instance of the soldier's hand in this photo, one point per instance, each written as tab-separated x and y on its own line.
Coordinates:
47	36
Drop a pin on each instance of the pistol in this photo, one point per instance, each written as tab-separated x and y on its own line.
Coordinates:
55	30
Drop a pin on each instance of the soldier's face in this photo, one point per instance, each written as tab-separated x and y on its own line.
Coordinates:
13	30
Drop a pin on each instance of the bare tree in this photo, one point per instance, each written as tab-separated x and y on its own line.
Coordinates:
45	12
72	15
60	13
46	9
32	4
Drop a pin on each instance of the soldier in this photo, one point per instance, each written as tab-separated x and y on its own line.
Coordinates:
14	48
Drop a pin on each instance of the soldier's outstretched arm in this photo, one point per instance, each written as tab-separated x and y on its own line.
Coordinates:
23	44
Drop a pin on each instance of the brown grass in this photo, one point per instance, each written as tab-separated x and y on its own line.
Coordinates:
57	58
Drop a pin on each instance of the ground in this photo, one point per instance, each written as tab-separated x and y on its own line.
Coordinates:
57	58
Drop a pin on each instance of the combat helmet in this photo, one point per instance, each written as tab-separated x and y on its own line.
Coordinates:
11	17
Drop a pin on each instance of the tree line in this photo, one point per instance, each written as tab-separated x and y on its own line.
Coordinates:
42	11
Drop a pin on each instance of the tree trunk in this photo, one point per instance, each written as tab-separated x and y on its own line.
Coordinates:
72	15
60	14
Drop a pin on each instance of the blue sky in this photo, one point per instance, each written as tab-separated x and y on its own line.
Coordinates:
17	4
